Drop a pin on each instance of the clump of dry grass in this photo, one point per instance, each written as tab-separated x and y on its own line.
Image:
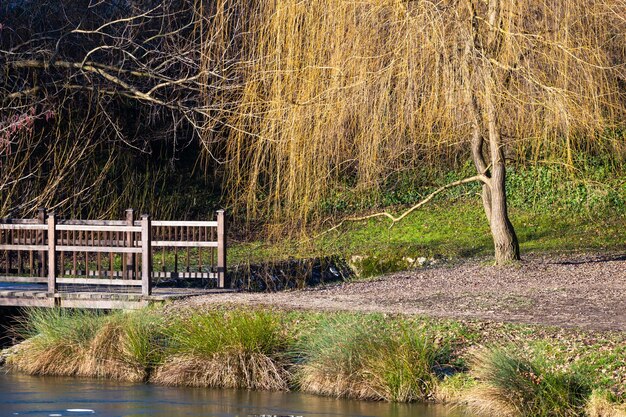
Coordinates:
126	347
229	369
226	349
105	357
342	384
488	401
361	357
334	356
58	342
515	387
86	343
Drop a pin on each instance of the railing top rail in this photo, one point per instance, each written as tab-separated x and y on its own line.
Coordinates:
97	228
93	222
183	223
184	244
19	221
124	223
15	226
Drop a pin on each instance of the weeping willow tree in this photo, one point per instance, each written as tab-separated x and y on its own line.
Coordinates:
333	89
294	99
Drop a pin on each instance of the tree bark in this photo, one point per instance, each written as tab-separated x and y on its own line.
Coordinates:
478	156
478	140
505	240
506	245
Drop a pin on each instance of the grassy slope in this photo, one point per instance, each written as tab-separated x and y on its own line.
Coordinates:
552	208
451	230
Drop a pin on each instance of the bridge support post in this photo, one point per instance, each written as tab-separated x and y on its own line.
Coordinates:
222	280
130	258
146	256
52	256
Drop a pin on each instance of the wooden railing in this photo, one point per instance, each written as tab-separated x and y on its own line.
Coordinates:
75	253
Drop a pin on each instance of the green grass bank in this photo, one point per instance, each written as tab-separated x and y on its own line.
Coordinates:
447	230
495	369
552	208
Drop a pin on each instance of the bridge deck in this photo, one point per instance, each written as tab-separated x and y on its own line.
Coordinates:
36	295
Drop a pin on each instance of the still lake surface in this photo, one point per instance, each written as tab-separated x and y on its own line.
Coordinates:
47	396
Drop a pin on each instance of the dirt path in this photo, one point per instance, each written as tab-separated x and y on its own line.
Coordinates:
586	291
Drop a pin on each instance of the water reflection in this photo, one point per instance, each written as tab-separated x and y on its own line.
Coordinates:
38	396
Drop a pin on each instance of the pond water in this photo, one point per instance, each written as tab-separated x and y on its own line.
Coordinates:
45	396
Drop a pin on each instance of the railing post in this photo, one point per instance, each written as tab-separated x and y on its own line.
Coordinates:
52	262
130	257
222	280
41	218
146	255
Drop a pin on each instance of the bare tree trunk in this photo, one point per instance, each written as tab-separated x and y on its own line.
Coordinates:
505	241
504	238
478	156
478	140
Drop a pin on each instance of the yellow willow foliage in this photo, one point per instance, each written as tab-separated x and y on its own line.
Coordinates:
332	92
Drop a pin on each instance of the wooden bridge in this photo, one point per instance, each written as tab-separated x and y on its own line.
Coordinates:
127	263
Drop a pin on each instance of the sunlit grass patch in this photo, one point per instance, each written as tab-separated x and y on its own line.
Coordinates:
453	388
603	404
443	231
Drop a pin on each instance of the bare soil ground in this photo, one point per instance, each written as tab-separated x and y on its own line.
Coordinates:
581	291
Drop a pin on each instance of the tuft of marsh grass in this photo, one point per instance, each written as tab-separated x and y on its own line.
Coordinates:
365	357
58	341
227	349
87	343
127	346
354	355
512	386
